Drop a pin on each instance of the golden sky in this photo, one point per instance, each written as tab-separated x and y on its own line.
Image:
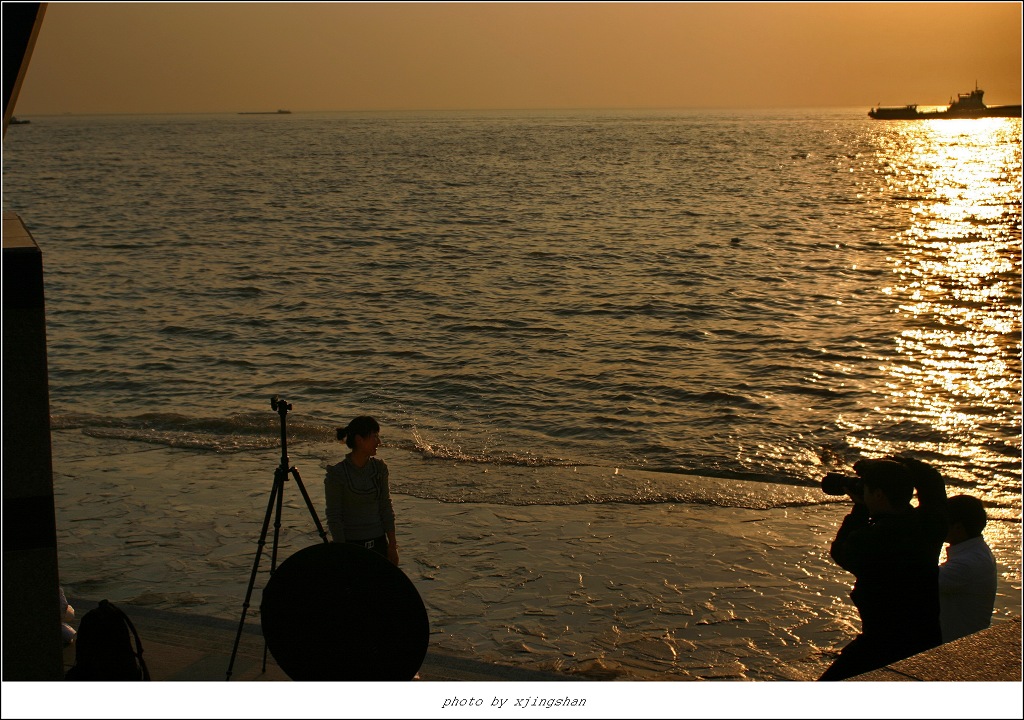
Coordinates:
227	57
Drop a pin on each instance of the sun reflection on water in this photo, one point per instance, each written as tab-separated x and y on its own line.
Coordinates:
956	280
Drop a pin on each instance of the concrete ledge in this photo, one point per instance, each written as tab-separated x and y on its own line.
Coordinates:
991	655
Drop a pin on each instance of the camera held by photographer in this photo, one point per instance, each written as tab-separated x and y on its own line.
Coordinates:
892	548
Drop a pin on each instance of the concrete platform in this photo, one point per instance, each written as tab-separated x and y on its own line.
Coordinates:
992	655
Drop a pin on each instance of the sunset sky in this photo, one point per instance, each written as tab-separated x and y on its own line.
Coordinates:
227	57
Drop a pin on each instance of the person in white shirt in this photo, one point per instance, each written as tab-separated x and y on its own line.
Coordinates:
967	580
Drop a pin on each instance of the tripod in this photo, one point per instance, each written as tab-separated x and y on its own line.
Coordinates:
276	499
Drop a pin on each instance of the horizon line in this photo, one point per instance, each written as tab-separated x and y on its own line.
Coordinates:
96	113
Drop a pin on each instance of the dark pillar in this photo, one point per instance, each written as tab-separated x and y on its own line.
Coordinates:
33	648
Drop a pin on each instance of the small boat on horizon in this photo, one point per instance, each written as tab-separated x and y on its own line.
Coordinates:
966	106
268	112
16	121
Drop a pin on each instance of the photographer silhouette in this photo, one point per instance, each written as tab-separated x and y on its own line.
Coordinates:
892	548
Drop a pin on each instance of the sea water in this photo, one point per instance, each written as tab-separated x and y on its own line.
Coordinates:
707	309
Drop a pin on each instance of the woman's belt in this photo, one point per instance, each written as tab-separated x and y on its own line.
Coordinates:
371	543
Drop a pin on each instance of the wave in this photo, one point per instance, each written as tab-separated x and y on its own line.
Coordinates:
696	498
452	474
433	451
236	433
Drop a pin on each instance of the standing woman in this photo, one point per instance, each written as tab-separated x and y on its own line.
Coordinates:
358	498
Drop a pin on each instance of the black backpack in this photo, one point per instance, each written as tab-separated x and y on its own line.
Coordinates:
103	647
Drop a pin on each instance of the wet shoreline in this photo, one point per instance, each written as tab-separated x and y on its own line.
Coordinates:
608	591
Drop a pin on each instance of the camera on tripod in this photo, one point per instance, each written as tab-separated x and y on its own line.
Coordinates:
276	501
840	484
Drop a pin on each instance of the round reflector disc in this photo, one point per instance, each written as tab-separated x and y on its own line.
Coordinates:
336	611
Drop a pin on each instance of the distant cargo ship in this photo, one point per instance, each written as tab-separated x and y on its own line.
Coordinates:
966	105
268	112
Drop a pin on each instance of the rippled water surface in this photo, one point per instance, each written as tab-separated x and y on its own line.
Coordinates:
751	295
